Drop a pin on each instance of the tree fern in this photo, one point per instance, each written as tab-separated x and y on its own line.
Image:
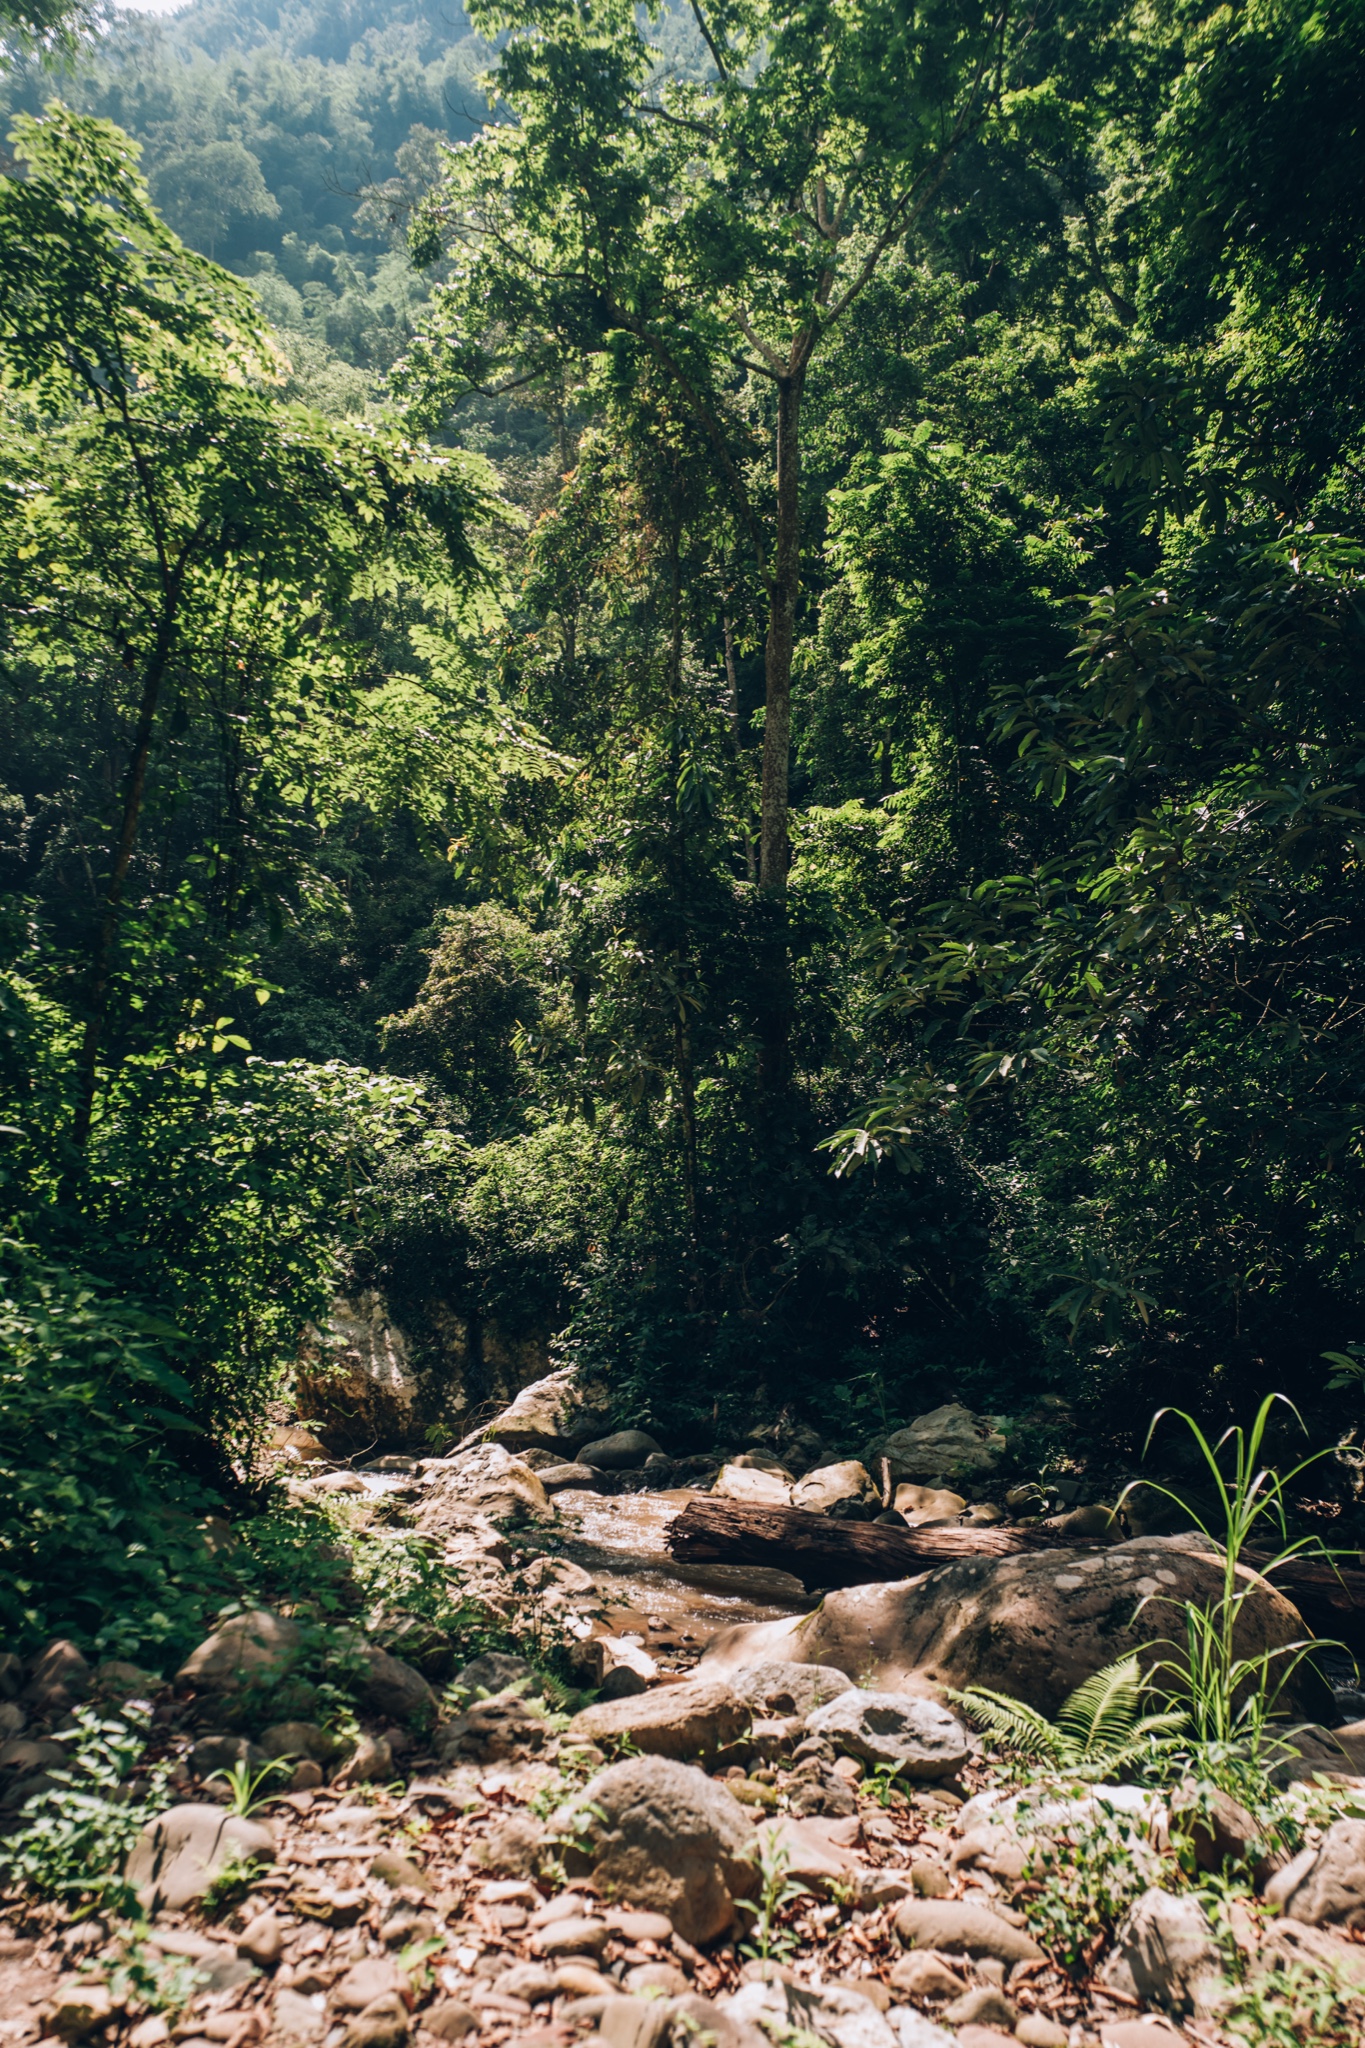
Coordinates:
1100	1730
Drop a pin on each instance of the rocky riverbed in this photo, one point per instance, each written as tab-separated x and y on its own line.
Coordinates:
765	1826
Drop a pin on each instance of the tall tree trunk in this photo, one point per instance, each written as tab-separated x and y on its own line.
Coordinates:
101	966
774	843
737	733
775	987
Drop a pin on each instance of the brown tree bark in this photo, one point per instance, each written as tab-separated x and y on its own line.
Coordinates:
783	592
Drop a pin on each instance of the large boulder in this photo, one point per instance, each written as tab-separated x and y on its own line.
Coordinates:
921	1738
948	1443
485	1480
624	1451
394	1689
557	1413
822	1489
256	1645
177	1856
660	1834
1034	1626
685	1721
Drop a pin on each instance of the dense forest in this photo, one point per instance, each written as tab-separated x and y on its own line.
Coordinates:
686	682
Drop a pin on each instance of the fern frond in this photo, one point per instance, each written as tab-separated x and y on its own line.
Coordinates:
1100	1713
1013	1725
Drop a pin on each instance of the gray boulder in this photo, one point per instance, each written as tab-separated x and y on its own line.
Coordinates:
624	1451
254	1645
493	1672
557	1413
1033	1626
696	1718
177	1856
921	1738
1332	1892
559	1478
664	1836
1165	1955
485	1480
392	1688
57	1677
947	1443
956	1926
212	1753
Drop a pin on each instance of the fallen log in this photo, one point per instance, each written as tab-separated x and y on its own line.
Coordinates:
826	1553
823	1554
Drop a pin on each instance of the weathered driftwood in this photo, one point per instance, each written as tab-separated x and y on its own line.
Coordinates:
825	1553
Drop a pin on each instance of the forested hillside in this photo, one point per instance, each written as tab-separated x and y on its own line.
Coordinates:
720	730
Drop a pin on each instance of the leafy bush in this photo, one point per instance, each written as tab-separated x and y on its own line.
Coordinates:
77	1833
1080	1877
97	1523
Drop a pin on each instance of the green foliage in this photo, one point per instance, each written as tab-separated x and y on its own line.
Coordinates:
1100	1734
245	1786
1080	1878
75	1836
1230	1697
777	1890
97	1525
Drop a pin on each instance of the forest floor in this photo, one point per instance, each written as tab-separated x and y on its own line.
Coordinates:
440	1884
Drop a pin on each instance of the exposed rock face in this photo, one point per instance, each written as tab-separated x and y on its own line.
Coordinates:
557	1413
671	1839
625	1451
485	1480
177	1856
254	1645
818	1492
919	1736
684	1721
947	1443
355	1375
1165	1954
1032	1626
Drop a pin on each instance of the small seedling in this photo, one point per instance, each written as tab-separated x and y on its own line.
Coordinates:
244	1784
778	1890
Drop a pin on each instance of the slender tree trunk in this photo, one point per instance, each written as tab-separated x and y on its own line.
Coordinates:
102	964
774	842
682	1035
737	733
775	988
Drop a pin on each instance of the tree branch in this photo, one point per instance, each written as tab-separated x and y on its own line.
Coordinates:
709	40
